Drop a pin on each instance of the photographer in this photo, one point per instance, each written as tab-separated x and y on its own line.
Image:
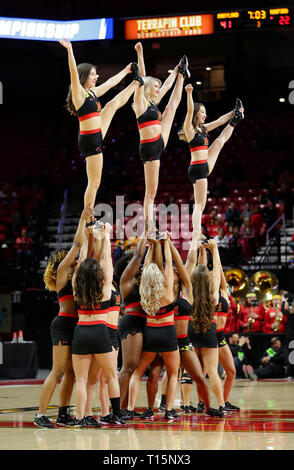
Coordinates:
242	354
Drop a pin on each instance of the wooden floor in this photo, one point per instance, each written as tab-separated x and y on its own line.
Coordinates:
266	422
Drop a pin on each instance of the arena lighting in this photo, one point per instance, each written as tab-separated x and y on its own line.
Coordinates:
208	68
49	30
198	83
282	100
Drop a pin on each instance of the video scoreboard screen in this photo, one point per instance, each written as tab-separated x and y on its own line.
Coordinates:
249	19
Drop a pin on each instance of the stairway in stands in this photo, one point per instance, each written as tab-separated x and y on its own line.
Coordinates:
275	254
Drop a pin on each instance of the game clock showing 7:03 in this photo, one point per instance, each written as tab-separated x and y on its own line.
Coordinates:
263	18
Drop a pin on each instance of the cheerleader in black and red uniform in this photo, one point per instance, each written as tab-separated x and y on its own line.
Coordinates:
157	299
205	300
203	156
83	101
154	127
57	277
92	286
131	325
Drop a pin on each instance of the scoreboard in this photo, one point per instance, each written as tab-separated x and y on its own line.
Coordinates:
249	19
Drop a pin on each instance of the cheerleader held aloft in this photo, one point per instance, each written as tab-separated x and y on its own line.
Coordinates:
136	73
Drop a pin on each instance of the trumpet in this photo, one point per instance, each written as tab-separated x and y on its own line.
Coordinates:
251	320
278	319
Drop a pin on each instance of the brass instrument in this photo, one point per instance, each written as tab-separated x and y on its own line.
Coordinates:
251	320
278	319
264	284
238	284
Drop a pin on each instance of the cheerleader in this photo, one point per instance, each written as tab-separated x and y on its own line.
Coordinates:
195	132
92	286
131	325
154	127
157	300
83	102
57	277
205	300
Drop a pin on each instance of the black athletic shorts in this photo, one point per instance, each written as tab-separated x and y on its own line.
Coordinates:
62	330
91	339
185	344
114	337
160	339
90	144
150	151
203	340
197	171
221	340
130	325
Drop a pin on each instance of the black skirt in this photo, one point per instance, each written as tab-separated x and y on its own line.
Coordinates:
91	339
203	340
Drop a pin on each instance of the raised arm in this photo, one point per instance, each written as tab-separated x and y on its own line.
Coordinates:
168	271
188	126
78	92
111	82
106	261
184	276
223	284
216	272
140	102
78	241
140	56
127	277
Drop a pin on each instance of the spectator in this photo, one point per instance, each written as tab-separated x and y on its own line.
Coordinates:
286	197
234	249
242	353
233	215
272	364
270	213
275	318
258	224
232	318
247	212
214	227
247	234
209	219
251	315
24	251
222	242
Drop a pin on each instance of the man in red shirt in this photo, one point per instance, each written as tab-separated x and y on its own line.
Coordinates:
251	315
275	319
23	247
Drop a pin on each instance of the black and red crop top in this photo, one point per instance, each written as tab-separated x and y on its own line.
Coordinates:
151	116
90	108
163	312
66	293
222	307
132	301
199	142
183	308
101	309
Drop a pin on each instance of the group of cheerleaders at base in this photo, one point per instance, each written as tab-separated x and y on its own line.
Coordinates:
159	297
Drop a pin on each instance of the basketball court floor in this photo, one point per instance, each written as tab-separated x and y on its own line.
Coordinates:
265	422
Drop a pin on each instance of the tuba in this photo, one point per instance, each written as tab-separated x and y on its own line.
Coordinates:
238	284
264	284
